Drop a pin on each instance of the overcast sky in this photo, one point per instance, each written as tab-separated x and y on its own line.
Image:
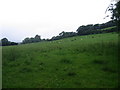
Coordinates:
26	18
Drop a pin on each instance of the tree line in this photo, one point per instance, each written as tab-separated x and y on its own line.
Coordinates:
82	30
88	29
97	28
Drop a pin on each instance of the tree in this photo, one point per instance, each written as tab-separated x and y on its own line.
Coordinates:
115	10
37	38
62	33
5	42
31	40
26	40
116	14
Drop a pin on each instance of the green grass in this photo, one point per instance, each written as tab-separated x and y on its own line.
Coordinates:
77	62
109	28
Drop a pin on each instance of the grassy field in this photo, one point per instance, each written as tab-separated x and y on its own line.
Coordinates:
109	28
78	62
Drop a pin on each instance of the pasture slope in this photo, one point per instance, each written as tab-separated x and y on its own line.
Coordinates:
89	61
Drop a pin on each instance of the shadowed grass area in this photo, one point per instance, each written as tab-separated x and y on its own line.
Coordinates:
66	61
89	61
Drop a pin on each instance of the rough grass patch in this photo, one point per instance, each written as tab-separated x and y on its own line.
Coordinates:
45	54
71	74
25	69
13	54
14	65
40	68
27	62
107	69
99	62
64	69
56	69
100	54
80	50
41	63
77	83
66	61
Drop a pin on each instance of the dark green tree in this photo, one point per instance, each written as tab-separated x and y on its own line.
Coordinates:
5	42
115	10
62	33
37	38
26	40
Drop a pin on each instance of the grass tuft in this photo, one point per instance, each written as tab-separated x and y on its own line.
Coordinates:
66	61
107	69
99	62
27	62
25	70
71	74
